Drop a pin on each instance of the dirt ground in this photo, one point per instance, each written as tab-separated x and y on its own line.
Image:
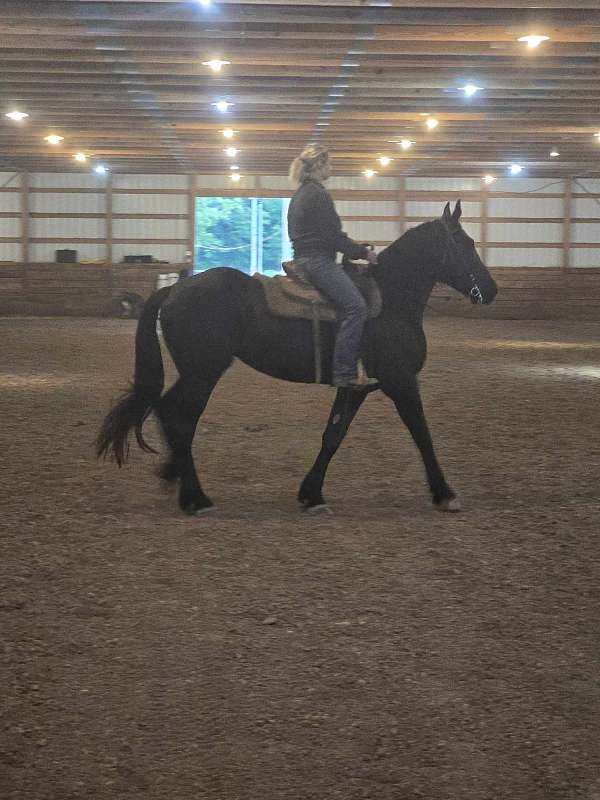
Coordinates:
387	651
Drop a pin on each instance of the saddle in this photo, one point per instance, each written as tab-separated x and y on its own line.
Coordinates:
293	295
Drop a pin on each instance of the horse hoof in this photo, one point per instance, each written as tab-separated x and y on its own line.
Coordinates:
200	511
322	508
451	505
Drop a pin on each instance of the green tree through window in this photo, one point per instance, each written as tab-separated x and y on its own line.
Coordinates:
247	233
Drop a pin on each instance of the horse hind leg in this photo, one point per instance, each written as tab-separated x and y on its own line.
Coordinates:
178	412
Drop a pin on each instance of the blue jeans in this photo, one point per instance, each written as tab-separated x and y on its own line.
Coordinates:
331	280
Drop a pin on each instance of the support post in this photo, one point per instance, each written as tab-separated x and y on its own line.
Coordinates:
567	214
25	217
109	219
402	205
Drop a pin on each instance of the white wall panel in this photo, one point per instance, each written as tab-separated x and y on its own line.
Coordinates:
360	182
372	231
587	184
10	251
157	182
10	227
433	209
10	201
74	228
530	257
543	185
281	182
45	251
443	184
66	203
10	179
585	232
580	207
525	207
66	180
149	204
525	232
585	257
150	228
368	208
163	252
213	182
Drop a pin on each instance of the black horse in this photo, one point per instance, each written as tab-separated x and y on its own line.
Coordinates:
213	317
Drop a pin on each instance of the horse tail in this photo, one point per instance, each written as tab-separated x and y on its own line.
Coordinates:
132	409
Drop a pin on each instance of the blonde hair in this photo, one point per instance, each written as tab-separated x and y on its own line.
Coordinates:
311	163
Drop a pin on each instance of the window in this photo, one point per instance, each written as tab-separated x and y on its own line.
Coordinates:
247	233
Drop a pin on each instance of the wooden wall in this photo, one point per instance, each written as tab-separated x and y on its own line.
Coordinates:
540	237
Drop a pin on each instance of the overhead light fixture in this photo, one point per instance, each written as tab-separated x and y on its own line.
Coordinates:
81	157
489	178
54	138
222	105
229	133
515	169
17	116
406	144
369	173
205	3
470	89
384	161
234	166
235	177
554	154
215	64
431	123
597	135
100	169
231	152
533	39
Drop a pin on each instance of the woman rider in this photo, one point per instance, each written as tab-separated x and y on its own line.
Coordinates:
316	233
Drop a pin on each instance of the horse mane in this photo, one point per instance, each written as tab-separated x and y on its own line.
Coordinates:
410	245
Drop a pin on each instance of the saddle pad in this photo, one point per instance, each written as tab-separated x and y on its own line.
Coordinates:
288	298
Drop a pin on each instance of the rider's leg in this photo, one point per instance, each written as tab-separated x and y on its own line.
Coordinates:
330	279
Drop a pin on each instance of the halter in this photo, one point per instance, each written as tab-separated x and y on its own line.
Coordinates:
475	292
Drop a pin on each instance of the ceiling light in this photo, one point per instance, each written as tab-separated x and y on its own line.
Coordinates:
229	133
515	169
406	144
489	178
234	166
54	138
533	39
431	123
205	3
368	173
235	177
597	135
81	157
554	154
470	89
231	152
215	64
101	169
222	105
17	116
384	160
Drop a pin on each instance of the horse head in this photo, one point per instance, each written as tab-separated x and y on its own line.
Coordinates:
460	266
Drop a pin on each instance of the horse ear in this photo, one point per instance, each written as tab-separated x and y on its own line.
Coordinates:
447	213
456	214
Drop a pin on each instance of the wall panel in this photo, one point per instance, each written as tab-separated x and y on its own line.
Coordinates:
149	203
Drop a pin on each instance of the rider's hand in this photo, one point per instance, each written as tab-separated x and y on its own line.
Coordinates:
372	257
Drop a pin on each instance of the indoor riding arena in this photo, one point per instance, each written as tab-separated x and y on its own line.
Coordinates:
373	645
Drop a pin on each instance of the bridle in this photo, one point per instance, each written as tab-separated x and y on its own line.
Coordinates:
475	292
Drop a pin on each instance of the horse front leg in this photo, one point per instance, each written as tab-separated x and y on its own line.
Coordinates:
346	404
407	399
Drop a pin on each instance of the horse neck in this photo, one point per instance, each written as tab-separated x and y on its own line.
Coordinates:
405	287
